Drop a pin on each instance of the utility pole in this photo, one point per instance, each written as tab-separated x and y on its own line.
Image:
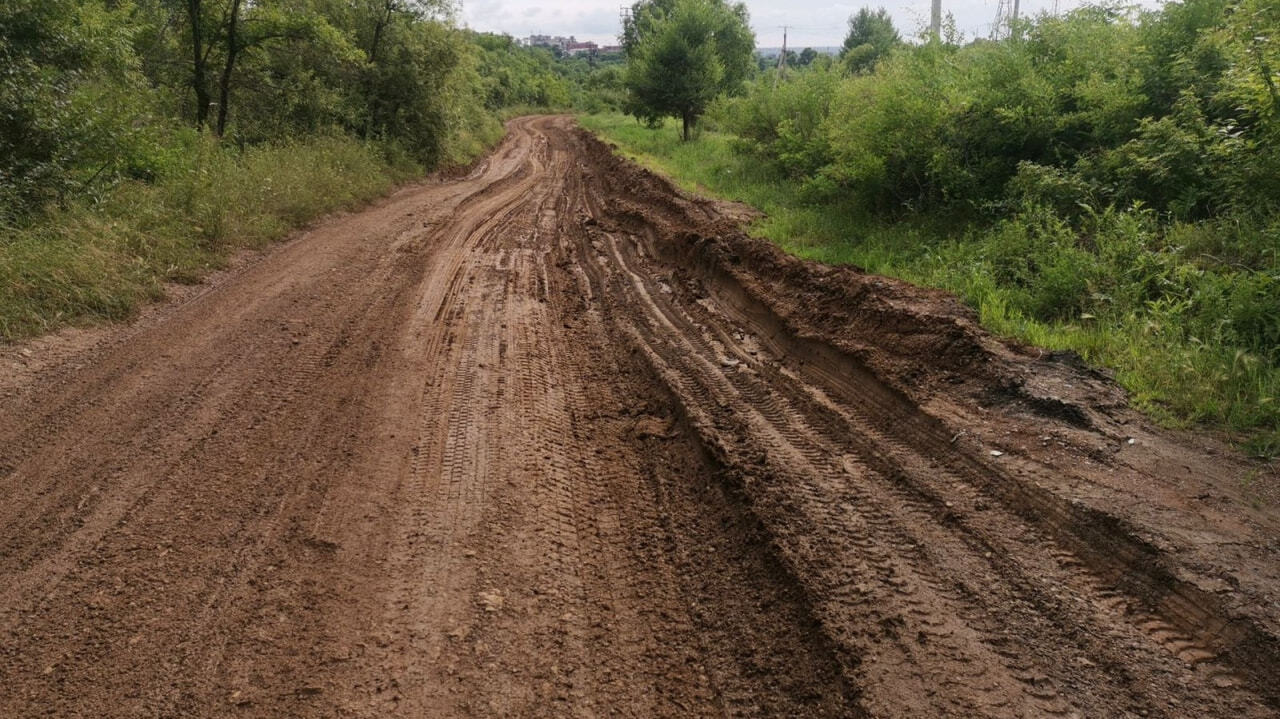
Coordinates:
1006	20
935	20
782	57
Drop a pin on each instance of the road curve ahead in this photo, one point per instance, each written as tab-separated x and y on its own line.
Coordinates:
541	442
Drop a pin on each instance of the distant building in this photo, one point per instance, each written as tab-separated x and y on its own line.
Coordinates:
568	45
555	42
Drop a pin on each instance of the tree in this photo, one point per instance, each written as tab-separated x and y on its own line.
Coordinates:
734	41
807	56
69	98
871	37
681	54
233	33
199	61
1252	38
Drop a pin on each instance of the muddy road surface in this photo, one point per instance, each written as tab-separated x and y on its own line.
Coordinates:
556	440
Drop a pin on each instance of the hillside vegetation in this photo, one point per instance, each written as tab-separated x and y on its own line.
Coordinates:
1106	182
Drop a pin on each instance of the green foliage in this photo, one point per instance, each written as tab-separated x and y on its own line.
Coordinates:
293	74
68	90
517	76
1251	40
409	99
100	259
783	122
602	90
682	54
1182	52
871	36
1170	109
732	40
92	89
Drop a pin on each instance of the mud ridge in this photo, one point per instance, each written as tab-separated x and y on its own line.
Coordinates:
857	317
548	438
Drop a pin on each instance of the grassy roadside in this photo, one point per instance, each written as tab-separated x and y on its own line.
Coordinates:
1179	378
99	260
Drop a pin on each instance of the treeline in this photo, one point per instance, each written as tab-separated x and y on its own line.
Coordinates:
141	140
1107	181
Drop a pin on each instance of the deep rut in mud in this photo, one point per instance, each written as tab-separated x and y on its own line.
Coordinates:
553	439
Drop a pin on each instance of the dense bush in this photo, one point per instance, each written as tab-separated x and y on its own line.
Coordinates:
784	122
1174	109
102	259
513	76
68	93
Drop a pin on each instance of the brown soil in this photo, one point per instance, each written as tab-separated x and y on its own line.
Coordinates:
554	439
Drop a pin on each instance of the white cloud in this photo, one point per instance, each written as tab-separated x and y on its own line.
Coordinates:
814	23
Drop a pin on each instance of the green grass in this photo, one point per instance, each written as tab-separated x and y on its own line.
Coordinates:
99	260
1177	364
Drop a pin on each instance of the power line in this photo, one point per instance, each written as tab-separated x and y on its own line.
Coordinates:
1007	18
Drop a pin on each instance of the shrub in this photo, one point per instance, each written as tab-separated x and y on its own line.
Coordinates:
98	260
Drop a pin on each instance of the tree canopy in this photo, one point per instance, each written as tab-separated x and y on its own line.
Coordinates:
871	36
682	54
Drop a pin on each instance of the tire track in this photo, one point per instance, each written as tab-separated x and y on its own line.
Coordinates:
902	490
552	440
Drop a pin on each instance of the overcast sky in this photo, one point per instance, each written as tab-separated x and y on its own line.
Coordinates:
814	22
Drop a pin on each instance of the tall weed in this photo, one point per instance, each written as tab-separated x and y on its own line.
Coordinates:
99	259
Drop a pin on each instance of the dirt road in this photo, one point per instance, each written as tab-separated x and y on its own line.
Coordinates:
554	440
